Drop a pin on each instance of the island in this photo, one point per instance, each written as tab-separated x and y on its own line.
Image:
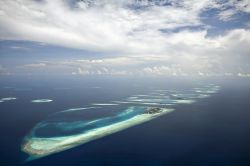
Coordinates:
38	147
154	110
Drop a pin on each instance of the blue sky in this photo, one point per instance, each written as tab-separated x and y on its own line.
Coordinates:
118	37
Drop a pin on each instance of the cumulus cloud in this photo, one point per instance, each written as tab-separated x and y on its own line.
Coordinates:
199	56
141	34
97	25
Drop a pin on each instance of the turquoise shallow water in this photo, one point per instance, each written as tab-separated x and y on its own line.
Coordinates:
63	128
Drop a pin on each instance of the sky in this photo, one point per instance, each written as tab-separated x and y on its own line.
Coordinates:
125	37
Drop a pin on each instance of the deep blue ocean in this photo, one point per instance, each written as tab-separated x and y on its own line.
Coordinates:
212	131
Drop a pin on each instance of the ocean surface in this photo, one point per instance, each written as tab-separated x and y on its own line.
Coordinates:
205	128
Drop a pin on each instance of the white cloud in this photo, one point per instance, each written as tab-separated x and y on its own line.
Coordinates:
243	5
243	75
83	72
107	26
231	8
227	15
36	65
160	70
142	40
19	48
196	55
